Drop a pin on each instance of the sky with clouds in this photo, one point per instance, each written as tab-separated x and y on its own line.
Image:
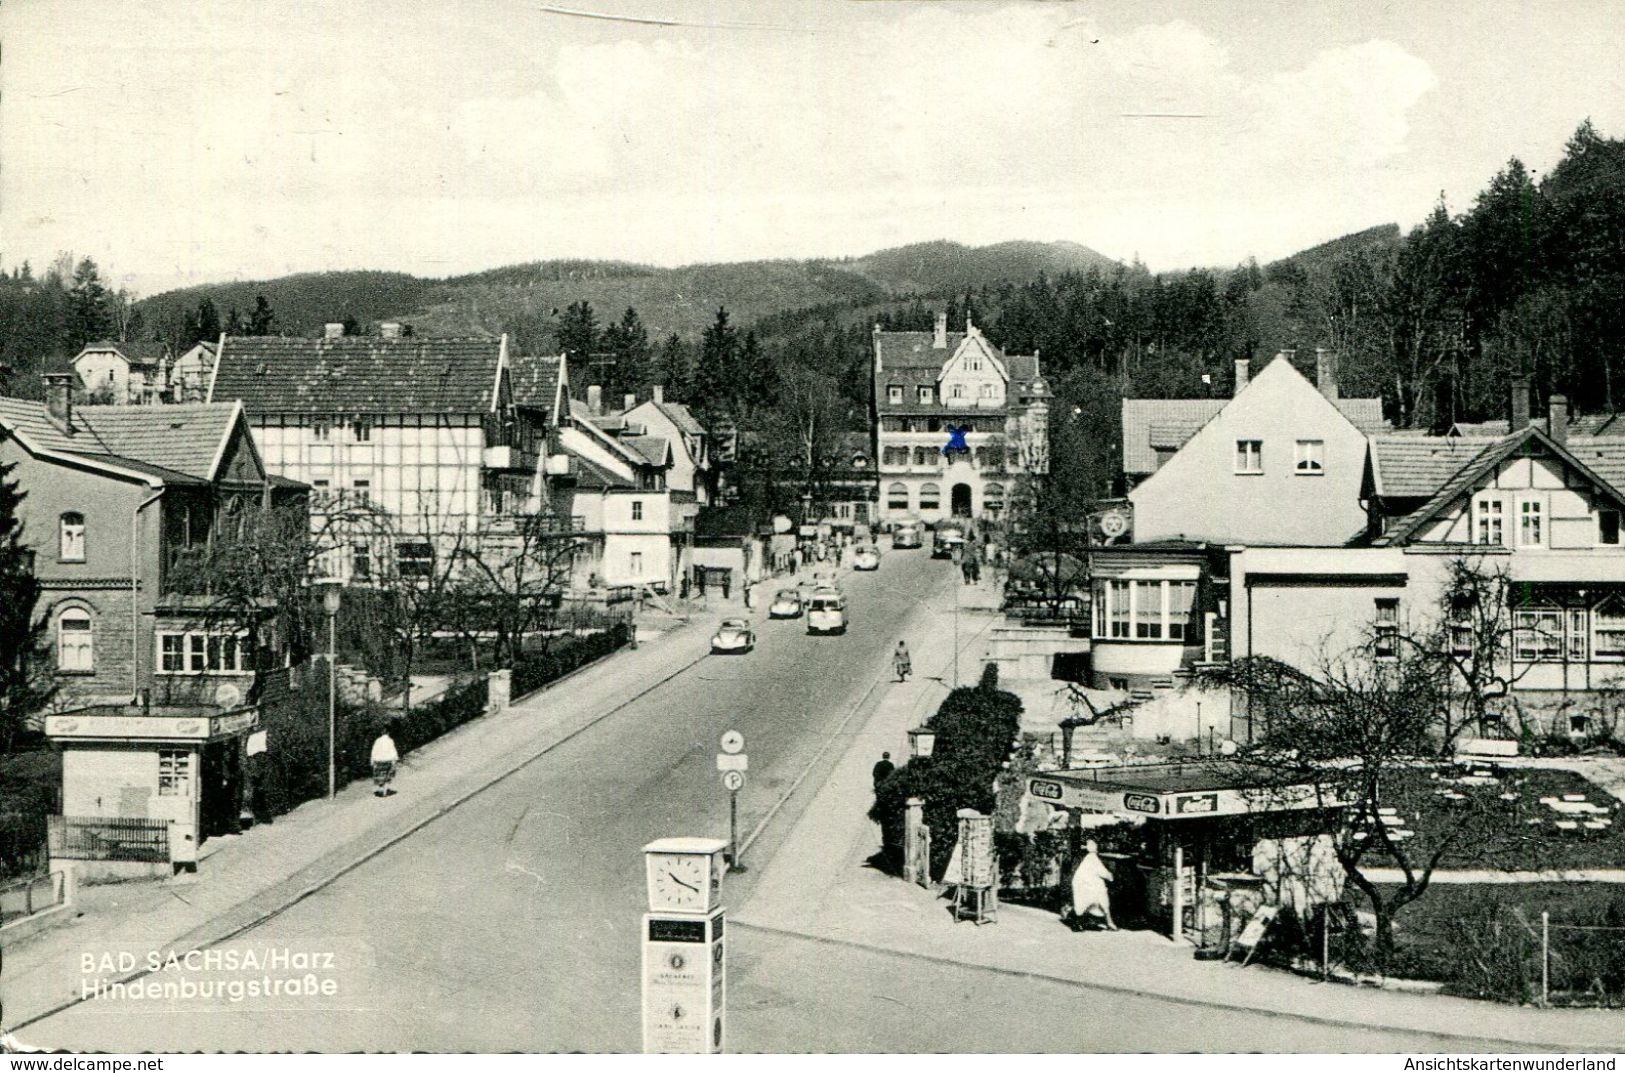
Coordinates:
183	141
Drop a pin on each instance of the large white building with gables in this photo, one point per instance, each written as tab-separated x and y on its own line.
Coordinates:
931	387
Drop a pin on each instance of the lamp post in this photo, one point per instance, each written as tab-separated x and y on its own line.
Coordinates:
331	599
922	741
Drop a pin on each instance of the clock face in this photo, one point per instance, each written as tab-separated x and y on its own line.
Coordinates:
680	881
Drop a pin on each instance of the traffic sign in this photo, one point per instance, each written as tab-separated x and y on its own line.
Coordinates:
733	742
733	781
733	762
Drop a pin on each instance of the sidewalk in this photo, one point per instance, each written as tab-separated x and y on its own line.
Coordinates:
242	880
819	887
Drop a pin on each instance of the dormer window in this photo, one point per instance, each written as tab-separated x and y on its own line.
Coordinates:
894	393
925	395
320	430
362	430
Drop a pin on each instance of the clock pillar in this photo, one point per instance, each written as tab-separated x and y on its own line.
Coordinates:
684	959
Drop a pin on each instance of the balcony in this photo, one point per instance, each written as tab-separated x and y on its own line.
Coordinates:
560	465
502	457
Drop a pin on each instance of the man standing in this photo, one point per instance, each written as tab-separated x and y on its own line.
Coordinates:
902	663
384	759
883	769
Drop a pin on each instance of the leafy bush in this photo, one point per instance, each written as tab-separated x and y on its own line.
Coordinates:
533	670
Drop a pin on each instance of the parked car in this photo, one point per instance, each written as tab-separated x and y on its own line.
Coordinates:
786	604
826	612
826	579
907	535
946	541
734	635
866	557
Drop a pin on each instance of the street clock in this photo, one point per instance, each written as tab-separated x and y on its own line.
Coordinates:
684	875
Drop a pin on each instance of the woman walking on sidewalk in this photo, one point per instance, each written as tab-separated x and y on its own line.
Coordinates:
384	759
901	661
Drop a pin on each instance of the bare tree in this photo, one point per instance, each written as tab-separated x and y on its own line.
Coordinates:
511	582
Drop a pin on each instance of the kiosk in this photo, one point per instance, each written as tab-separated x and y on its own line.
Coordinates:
1214	834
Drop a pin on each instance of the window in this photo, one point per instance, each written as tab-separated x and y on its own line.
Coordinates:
1119	602
362	430
925	395
636	561
894	393
1577	636
958	392
75	642
989	391
362	491
993	497
171	653
1148	610
973	363
1538	635
897	496
320	431
360	562
321	492
1608	629
415	559
1181	598
1249	456
174	773
203	653
1386	643
925	456
1608	527
72	548
1153	610
1309	457
930	497
1531	515
637	510
1461	629
1487	524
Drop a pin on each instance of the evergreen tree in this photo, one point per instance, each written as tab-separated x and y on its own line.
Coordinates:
628	342
716	380
90	306
578	338
20	694
202	326
675	370
260	321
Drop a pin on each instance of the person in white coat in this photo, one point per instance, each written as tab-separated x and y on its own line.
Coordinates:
1089	887
384	759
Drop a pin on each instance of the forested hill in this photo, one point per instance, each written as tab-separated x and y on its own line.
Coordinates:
524	298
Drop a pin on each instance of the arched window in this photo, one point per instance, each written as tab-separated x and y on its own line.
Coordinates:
993	497
72	544
897	496
75	642
930	497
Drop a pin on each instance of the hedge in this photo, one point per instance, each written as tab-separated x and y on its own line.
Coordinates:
975	727
533	670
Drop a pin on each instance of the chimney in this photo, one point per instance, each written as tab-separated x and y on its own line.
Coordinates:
630	400
59	399
390	329
333	330
595	400
1326	372
660	393
1242	365
1520	403
1558	423
940	342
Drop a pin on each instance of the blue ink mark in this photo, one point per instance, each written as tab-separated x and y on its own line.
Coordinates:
956	440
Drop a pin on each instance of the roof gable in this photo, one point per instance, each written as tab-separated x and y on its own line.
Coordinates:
187	440
373	375
974	345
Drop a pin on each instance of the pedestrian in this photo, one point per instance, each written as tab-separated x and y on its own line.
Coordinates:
750	592
727	583
384	759
1089	892
883	769
902	663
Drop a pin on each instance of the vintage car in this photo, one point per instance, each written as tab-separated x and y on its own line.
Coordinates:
786	604
734	635
907	535
826	612
866	557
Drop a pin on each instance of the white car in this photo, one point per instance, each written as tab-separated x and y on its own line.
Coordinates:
906	536
734	635
826	579
826	612
866	558
786	604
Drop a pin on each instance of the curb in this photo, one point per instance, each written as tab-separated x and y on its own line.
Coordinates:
212	933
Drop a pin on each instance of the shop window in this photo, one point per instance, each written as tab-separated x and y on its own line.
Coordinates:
72	543
1249	456
75	642
1385	645
1538	635
174	773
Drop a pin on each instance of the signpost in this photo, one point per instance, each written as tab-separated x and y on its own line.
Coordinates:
733	763
684	961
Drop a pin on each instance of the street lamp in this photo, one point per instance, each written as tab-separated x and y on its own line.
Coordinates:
331	598
922	741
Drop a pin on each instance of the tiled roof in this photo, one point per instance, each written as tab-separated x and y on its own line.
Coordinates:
903	349
652	449
536	380
1579	425
590	474
679	415
1415	467
1170	423
908	360
182	439
137	353
369	375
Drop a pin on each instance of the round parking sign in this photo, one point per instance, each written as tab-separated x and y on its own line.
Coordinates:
733	780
